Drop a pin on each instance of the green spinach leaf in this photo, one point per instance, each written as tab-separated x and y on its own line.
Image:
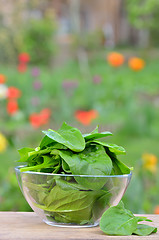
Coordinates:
92	161
65	185
59	200
112	147
119	167
68	136
24	154
95	135
47	163
119	221
144	230
48	142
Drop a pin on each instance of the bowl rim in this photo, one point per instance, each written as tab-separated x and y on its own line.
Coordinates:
17	169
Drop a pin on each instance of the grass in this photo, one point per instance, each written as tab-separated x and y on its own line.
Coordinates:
127	103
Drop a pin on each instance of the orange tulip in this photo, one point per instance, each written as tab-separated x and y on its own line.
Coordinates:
115	59
2	79
156	210
136	64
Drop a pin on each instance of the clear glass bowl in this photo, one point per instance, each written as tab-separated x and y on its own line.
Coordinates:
71	200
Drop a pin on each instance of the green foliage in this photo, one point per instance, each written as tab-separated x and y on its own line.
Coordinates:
127	102
39	40
144	184
119	221
11	196
32	34
90	41
143	13
85	158
10	44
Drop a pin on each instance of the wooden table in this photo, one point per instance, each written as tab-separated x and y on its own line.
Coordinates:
27	225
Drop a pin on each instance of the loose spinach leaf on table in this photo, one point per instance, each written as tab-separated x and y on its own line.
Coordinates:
119	221
144	230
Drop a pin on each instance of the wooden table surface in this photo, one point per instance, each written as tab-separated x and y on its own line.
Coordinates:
27	225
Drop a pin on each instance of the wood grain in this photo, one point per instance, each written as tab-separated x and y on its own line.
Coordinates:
27	225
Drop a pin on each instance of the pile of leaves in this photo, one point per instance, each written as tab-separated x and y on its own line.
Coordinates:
79	191
68	151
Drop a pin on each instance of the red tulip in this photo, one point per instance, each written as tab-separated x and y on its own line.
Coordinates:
22	67
24	57
13	92
12	107
35	120
86	117
45	115
39	119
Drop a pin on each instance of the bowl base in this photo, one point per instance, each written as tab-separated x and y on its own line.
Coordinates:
55	224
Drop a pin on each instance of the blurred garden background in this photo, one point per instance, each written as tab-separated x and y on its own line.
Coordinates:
88	63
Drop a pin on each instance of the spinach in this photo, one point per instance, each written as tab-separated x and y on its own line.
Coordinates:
119	221
95	135
118	167
46	163
70	204
144	230
72	198
24	157
91	161
112	147
68	136
65	185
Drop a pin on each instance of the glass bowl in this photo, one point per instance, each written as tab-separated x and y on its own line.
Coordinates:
71	200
